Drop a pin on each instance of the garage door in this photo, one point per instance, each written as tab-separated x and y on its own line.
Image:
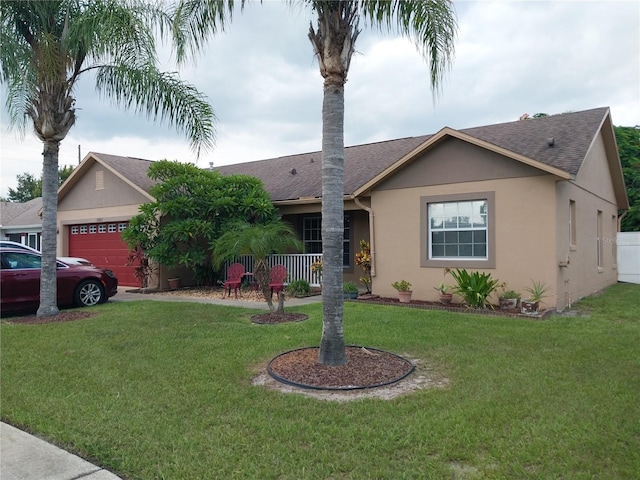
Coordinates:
102	244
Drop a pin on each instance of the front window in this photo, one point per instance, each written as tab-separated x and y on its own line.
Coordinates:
458	230
312	237
312	234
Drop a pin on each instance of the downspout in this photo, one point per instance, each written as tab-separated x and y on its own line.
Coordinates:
372	244
620	218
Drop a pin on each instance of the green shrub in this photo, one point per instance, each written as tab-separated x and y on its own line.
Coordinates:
349	287
474	288
299	288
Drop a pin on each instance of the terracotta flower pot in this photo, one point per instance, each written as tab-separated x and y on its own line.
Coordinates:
404	296
445	298
174	283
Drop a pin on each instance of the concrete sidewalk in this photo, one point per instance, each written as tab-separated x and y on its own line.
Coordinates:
27	457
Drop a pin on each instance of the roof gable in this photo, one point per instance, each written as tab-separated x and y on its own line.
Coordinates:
132	171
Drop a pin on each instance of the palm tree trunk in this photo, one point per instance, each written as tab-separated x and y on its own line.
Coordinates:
332	351
262	276
48	285
280	309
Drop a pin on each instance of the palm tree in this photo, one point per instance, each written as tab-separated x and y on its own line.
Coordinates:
431	24
259	240
48	45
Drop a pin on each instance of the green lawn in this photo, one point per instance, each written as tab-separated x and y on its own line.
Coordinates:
163	390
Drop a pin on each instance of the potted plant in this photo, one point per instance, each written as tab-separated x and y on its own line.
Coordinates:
444	293
537	291
509	299
404	292
350	290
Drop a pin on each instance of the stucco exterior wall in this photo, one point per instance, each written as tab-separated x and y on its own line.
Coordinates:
91	201
93	193
524	235
592	192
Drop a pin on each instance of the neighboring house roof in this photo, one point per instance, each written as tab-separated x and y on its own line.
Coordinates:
298	178
13	214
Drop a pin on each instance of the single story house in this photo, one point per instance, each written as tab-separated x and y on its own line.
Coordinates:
534	199
21	222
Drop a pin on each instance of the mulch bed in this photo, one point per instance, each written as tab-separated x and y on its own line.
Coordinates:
274	318
452	307
365	368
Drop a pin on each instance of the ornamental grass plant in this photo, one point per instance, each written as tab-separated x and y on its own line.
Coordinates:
152	390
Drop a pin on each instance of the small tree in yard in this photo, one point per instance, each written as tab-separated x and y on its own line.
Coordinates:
193	208
259	240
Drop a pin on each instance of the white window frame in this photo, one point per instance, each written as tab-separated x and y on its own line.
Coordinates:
426	230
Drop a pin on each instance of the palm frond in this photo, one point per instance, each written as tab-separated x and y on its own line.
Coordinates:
194	20
430	24
162	96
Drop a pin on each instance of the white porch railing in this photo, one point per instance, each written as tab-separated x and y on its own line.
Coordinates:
298	266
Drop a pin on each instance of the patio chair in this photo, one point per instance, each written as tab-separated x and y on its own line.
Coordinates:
235	273
278	274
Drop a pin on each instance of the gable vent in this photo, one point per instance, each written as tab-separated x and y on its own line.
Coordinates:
100	180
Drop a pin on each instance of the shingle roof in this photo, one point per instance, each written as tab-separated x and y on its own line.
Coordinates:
13	214
573	134
300	176
362	163
133	169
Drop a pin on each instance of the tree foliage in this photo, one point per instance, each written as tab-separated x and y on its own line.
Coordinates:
259	240
192	209
628	139
30	187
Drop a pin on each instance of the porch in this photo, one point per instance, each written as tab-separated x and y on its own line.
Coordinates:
298	266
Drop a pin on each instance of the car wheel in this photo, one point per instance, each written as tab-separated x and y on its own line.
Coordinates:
89	293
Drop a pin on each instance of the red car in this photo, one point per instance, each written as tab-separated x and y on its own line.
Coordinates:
79	285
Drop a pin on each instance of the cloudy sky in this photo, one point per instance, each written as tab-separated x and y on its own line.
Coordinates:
512	57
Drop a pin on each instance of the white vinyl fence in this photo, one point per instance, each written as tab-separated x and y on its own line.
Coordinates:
298	266
629	257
